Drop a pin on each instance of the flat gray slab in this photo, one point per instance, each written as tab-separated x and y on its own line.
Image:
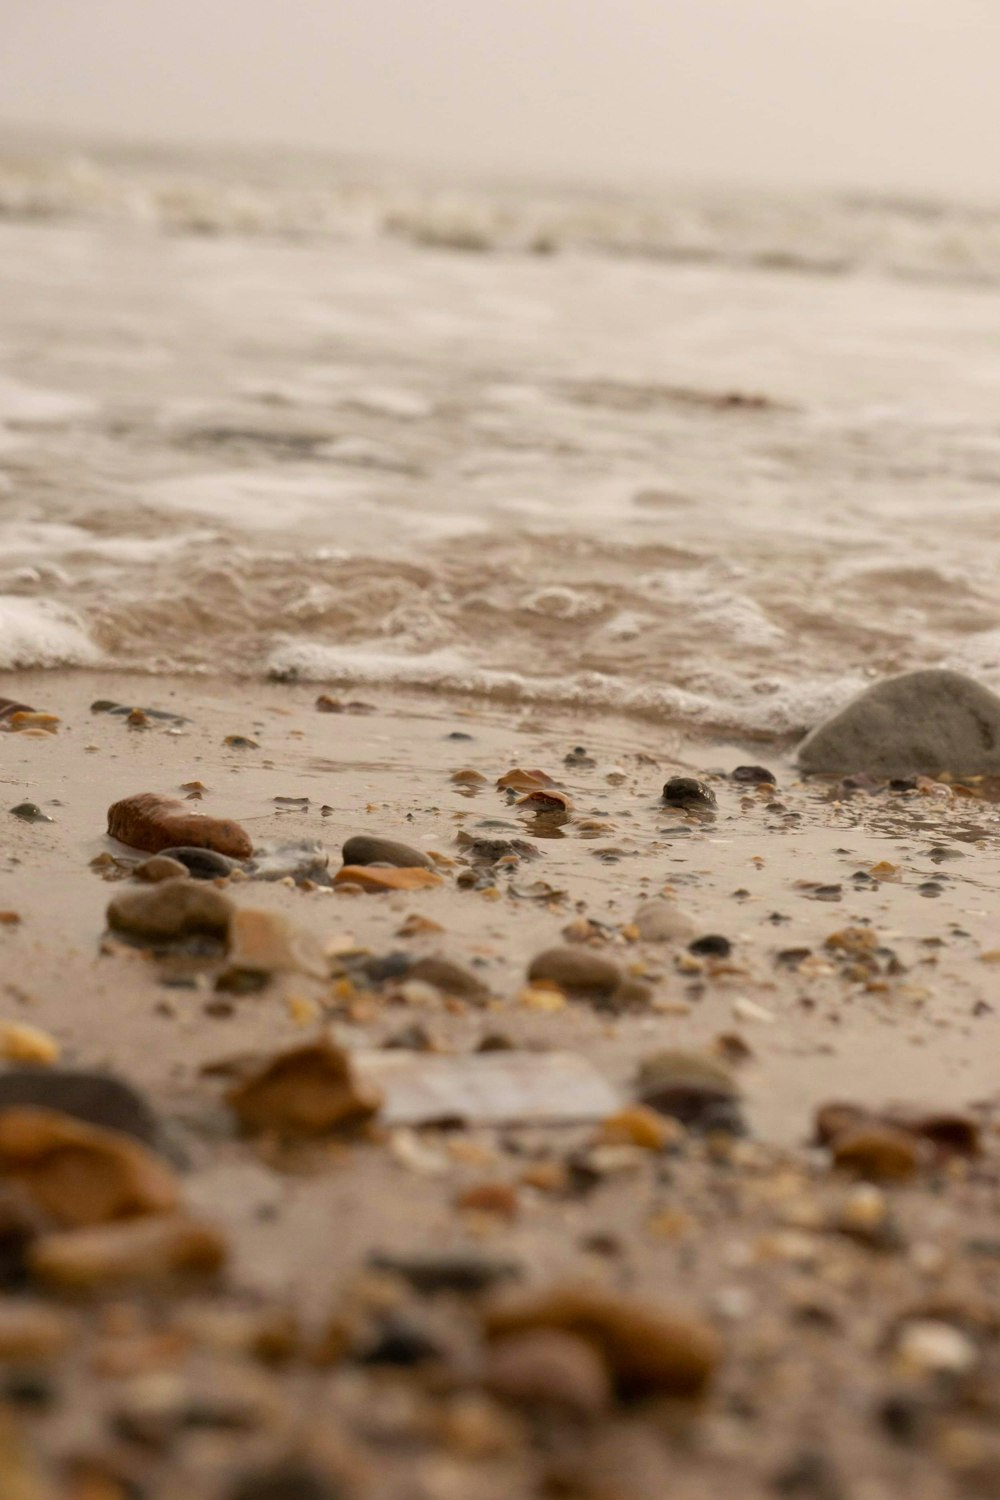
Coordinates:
487	1088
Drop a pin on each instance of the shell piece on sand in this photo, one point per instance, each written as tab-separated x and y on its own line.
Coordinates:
151	822
81	1174
922	723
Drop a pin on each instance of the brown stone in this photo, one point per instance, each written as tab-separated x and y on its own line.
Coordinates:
879	1153
518	780
577	970
497	1198
308	1091
367	849
450	978
266	942
545	1369
81	1174
376	878
646	1349
142	1251
152	822
160	867
30	1332
172	909
948	1132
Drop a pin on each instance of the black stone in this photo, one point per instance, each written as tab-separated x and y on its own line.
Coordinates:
688	792
30	812
756	775
202	864
712	945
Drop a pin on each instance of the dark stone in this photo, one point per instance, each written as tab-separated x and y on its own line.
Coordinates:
712	945
688	792
459	734
30	812
203	864
366	849
95	1098
400	1341
448	1271
379	969
756	775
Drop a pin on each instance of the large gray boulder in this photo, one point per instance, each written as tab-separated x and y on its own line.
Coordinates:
922	723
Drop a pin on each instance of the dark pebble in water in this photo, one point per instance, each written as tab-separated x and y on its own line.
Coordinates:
108	706
686	791
29	812
712	945
447	1271
203	864
756	775
930	888
459	734
366	849
94	1098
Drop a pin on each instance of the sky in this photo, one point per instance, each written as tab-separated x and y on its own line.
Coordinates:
895	95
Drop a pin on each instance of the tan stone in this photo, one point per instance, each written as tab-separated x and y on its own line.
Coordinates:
376	878
145	1250
307	1091
266	942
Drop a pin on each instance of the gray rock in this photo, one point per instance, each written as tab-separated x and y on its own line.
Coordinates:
366	849
202	864
922	723
95	1098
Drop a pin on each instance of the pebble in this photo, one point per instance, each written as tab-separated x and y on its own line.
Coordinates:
928	1347
755	775
692	1087
82	1174
712	945
91	1097
449	978
578	970
30	812
172	909
20	1224
27	1044
291	1479
202	864
431	1271
639	1126
663	921
498	1198
366	849
878	1153
921	723
689	793
308	1091
160	867
139	1251
375	878
31	1332
152	822
646	1349
267	942
547	1370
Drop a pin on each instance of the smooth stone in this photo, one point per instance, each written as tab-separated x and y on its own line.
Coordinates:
712	945
545	1369
93	1098
160	867
689	793
173	909
30	812
754	775
449	977
879	1153
152	822
577	970
202	864
647	1349
138	1251
266	942
366	849
922	723
691	1087
662	921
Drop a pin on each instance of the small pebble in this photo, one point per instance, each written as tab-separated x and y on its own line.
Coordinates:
688	792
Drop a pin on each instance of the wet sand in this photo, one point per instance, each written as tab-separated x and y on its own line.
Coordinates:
741	1233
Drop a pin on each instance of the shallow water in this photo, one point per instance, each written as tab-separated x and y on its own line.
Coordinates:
720	486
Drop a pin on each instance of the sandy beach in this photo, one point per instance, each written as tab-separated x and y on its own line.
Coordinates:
811	1280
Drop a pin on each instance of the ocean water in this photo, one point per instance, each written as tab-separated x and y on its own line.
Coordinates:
713	460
